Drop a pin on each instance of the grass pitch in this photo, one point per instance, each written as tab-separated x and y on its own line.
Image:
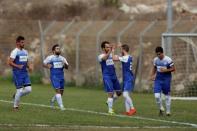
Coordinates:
86	110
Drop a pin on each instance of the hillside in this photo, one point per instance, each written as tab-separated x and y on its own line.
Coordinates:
94	9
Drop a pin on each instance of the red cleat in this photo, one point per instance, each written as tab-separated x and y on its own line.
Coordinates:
131	112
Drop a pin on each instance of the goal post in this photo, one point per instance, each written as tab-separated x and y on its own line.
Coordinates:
183	51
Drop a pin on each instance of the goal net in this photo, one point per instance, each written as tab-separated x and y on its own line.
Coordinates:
182	48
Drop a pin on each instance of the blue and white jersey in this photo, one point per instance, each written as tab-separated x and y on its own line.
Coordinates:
20	58
127	67
166	63
107	66
57	63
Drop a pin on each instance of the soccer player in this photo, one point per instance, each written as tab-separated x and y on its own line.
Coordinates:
110	81
128	78
19	62
161	75
56	63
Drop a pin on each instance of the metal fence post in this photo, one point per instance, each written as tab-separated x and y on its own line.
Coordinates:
141	51
42	42
42	47
169	26
124	30
164	45
77	52
65	29
97	47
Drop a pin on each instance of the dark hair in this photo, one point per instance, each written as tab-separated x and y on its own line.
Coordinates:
104	43
19	38
125	47
53	48
159	49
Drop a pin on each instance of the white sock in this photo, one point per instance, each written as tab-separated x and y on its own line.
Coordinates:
17	97
168	103
158	100
26	90
110	104
59	100
128	101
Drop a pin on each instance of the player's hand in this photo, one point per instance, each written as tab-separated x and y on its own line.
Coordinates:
20	66
65	66
30	67
49	66
163	70
152	78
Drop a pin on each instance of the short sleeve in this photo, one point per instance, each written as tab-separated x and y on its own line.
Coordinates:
100	57
13	54
123	58
170	62
47	60
154	61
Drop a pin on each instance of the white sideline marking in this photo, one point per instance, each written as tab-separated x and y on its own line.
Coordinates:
82	126
106	114
184	98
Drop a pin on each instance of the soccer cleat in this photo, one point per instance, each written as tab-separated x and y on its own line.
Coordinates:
62	108
15	108
111	112
161	112
131	112
162	108
168	114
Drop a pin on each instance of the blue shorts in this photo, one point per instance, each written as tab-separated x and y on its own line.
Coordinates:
111	84
21	79
128	85
162	86
57	83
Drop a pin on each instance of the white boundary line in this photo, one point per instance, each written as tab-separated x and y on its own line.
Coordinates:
83	126
184	98
106	114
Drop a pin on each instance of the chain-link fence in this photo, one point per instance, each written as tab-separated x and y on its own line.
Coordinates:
80	43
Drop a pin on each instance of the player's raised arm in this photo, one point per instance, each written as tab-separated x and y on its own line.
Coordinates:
114	57
105	56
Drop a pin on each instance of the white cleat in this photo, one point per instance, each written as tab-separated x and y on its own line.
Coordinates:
168	114
62	108
162	109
